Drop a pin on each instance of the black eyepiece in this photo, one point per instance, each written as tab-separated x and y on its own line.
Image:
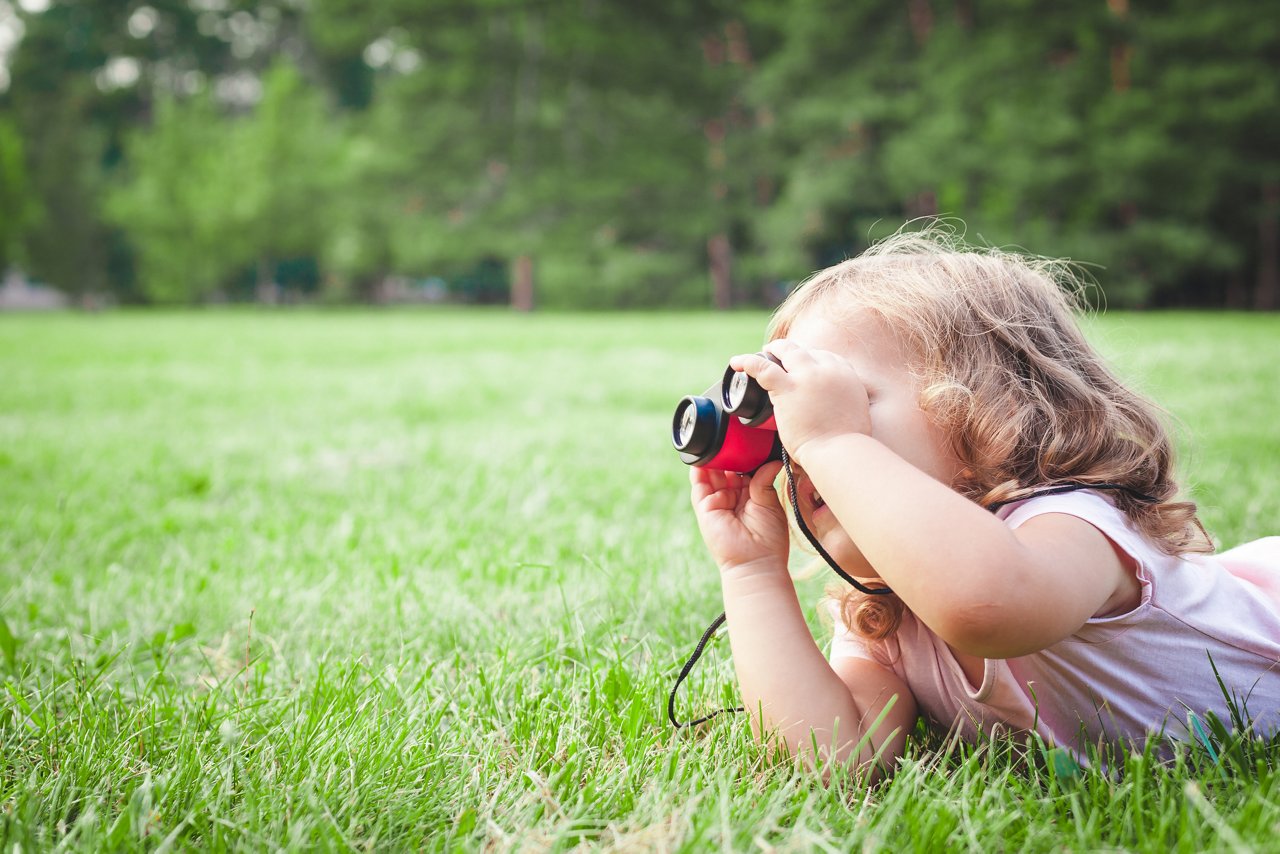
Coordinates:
742	396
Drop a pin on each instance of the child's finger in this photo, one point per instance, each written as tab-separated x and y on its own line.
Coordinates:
765	371
698	479
718	478
713	480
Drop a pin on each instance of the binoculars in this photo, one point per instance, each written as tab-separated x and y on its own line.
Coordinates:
729	426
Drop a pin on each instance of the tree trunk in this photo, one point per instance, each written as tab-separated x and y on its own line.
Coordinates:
922	204
920	15
1267	294
720	256
1237	292
522	284
266	289
1122	51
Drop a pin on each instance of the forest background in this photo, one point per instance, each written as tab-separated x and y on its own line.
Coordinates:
588	154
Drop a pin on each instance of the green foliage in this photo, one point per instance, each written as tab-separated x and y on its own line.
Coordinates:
1074	130
535	135
622	143
179	204
285	159
612	276
206	197
18	211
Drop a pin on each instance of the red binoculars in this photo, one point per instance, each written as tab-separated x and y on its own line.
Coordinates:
729	426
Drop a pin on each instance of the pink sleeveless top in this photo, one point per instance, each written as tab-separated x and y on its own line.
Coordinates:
1118	680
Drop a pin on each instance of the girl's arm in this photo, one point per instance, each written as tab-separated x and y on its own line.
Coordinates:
787	686
858	712
987	590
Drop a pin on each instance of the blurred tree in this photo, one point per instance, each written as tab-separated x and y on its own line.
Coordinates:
76	86
286	162
681	153
179	202
205	196
64	155
1202	112
369	199
1144	140
18	208
563	138
1002	132
743	172
839	83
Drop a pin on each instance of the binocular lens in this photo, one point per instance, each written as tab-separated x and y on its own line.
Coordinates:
695	425
688	422
737	390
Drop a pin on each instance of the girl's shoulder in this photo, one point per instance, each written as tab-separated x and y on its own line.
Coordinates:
1097	508
1257	562
1233	596
1086	503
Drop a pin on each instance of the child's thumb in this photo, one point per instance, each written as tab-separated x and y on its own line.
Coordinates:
762	488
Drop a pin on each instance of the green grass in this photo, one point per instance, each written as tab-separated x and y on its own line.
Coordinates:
366	580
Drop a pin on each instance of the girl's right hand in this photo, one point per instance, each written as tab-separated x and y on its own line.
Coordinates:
741	517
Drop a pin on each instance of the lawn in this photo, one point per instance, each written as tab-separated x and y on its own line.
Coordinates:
423	580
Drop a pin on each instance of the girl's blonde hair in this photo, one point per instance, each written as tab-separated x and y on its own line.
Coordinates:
1005	370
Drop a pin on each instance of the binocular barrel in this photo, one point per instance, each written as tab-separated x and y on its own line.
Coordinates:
729	426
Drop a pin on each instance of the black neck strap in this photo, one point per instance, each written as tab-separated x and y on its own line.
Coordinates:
1073	486
813	541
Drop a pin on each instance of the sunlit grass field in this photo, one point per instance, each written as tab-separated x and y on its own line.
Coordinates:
423	580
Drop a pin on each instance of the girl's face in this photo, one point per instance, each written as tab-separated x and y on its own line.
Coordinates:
897	421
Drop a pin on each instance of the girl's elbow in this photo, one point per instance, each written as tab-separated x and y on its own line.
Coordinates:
992	627
830	765
868	754
982	629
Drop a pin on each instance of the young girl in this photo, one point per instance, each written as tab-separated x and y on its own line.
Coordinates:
918	388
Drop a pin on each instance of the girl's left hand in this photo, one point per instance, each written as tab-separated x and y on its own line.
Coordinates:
816	394
741	518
